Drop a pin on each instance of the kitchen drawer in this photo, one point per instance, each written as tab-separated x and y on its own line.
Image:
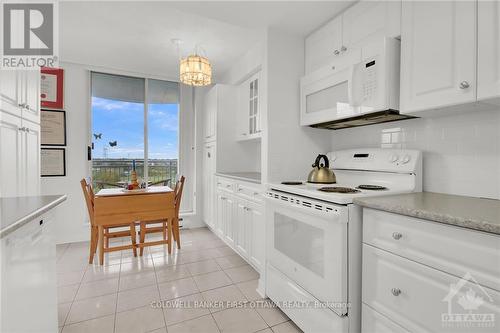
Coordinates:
224	184
253	193
451	249
374	322
416	296
309	318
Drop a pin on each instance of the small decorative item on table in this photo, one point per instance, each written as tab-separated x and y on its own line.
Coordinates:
134	184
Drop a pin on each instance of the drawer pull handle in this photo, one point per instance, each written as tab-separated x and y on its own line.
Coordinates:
397	235
396	291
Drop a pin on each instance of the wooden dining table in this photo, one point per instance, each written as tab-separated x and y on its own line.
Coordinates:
117	206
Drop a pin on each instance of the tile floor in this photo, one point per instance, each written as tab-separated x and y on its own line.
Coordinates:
122	295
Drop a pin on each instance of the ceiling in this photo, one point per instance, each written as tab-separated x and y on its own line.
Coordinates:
135	36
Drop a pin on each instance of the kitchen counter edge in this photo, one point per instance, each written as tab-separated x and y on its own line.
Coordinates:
11	227
243	176
441	208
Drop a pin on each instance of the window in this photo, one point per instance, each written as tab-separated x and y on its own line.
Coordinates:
135	122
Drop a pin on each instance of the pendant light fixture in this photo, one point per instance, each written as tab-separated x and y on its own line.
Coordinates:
195	70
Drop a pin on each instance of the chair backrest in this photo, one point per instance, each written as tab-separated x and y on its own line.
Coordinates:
88	193
179	186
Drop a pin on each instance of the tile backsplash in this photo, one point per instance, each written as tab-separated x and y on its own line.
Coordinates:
461	153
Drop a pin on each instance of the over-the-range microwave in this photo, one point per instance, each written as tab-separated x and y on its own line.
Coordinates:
359	88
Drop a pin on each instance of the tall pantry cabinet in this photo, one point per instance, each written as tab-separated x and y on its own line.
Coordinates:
19	132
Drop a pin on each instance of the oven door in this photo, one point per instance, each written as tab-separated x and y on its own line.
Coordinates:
307	241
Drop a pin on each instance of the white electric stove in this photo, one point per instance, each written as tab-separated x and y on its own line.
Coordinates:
314	240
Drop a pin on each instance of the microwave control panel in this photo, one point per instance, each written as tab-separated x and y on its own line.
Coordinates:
369	80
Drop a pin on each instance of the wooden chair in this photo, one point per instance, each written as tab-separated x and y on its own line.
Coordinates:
179	186
88	193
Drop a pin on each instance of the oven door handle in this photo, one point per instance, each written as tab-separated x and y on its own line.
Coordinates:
305	206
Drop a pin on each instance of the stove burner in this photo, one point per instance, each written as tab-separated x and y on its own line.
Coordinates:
291	183
372	187
335	189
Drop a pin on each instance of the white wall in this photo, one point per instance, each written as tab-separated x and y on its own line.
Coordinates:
289	149
73	224
461	152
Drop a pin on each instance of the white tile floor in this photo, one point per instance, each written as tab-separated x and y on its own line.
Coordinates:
117	297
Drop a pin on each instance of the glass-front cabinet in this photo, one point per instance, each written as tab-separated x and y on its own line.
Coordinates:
249	120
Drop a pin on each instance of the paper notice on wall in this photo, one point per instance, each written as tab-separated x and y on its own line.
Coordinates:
48	88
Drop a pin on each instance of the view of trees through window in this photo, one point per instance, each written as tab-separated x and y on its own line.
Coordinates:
120	138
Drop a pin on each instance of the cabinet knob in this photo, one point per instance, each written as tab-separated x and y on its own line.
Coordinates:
26	106
464	85
336	52
396	291
208	154
22	105
397	235
26	129
343	48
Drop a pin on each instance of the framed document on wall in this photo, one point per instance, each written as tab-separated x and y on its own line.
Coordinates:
53	127
52	88
53	162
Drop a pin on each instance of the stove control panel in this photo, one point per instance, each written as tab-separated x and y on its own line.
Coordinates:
377	159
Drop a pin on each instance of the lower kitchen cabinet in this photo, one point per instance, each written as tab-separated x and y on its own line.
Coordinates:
422	276
239	222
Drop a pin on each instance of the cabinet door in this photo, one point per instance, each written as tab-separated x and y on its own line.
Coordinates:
10	91
221	216
208	184
249	119
438	55
31	158
488	66
242	222
229	220
322	44
256	236
210	115
10	155
370	20
31	93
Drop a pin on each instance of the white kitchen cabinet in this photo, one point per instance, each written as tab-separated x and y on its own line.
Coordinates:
11	148
323	44
488	51
362	23
438	54
243	222
249	116
370	20
210	106
28	288
19	156
10	91
31	95
20	93
240	219
31	157
256	235
417	273
208	184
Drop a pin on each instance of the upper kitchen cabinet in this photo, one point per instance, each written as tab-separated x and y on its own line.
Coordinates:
361	23
249	124
20	93
210	115
369	20
488	66
323	44
438	54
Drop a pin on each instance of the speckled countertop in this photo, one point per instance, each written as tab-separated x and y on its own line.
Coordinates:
17	211
252	177
467	212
